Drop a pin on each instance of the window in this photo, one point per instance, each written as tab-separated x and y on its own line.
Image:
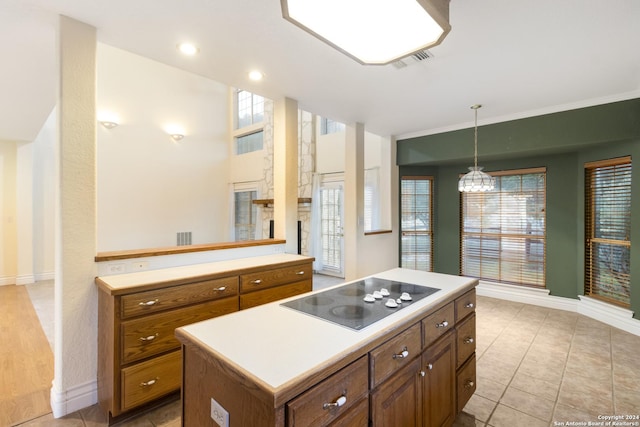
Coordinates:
249	142
249	109
608	226
371	199
249	134
328	126
416	247
245	215
503	231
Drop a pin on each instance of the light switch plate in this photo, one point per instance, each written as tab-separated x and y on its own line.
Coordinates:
219	414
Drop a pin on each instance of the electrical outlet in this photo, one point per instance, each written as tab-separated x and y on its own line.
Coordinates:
219	414
140	265
115	268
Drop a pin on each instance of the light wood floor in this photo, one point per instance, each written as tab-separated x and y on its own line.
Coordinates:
26	360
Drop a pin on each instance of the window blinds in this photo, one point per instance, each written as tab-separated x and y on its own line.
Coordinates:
503	232
607	233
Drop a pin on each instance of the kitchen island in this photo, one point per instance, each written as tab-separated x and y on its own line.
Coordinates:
276	366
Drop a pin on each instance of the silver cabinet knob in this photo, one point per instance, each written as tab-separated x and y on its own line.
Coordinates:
469	340
469	305
403	355
469	384
338	403
444	324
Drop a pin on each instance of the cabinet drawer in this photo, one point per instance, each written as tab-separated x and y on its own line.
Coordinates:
466	339
177	296
274	277
148	380
465	305
466	382
318	405
274	294
154	334
394	354
438	323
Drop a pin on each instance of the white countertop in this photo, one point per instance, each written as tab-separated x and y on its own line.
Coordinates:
119	282
277	344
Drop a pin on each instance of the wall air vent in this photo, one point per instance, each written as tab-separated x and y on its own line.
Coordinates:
184	238
419	57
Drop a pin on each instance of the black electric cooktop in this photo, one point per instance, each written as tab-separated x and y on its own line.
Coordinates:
346	305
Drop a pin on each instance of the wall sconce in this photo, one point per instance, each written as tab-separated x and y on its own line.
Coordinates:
108	124
108	119
175	131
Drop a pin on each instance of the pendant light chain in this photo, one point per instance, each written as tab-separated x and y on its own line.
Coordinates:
475	137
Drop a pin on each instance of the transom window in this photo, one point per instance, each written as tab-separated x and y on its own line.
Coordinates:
328	126
503	231
250	108
608	229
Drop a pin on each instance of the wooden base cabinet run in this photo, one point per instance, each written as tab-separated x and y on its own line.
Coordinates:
420	373
139	358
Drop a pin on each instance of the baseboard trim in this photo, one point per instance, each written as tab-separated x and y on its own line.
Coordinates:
7	280
49	275
606	313
25	279
64	402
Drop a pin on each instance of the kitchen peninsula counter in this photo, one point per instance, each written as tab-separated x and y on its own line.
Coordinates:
268	356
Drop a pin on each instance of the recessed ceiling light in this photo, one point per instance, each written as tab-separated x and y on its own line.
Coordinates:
256	75
188	48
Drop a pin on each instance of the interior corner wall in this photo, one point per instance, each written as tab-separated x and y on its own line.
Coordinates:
149	186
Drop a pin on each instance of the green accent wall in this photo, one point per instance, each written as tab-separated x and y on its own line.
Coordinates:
562	142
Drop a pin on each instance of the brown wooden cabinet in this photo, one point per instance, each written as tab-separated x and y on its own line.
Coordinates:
139	357
439	382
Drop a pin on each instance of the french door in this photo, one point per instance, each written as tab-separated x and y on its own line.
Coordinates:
331	228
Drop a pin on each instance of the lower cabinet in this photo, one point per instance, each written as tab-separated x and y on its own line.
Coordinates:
439	382
398	401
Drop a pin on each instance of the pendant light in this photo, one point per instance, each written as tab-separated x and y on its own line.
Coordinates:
475	180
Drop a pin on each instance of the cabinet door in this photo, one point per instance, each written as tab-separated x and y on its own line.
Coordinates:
439	366
397	402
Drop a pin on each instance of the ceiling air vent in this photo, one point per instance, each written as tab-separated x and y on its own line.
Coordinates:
416	58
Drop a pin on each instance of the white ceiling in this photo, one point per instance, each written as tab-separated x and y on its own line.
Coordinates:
516	57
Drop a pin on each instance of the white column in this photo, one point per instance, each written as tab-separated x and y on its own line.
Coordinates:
353	198
74	383
285	173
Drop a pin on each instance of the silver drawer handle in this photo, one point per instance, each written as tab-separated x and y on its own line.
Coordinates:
469	384
256	282
148	303
300	273
444	324
469	305
149	338
403	355
149	383
338	403
468	340
220	289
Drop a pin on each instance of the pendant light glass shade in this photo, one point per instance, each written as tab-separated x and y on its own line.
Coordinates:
475	180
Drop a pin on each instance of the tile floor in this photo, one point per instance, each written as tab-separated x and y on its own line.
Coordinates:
535	367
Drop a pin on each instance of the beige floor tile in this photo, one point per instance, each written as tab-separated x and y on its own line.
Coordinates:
480	407
626	401
535	386
586	394
505	416
72	420
496	369
530	404
565	414
548	370
489	388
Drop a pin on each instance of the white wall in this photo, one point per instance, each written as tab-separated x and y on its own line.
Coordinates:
44	191
150	187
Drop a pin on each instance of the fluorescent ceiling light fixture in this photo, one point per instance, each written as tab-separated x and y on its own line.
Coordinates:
372	31
188	48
